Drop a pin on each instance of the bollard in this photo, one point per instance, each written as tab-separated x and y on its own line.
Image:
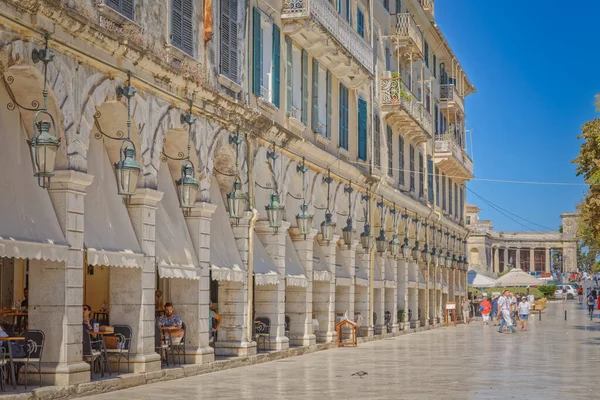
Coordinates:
540	315
565	315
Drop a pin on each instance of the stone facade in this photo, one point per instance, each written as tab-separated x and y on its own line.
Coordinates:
492	252
297	82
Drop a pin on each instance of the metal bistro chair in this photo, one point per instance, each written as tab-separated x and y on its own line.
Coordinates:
262	332
160	344
287	326
34	348
179	347
92	353
123	350
4	364
387	318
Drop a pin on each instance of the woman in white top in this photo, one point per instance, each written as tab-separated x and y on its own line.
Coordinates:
524	307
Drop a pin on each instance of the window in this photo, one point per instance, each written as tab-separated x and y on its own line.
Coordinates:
468	220
360	22
437	186
449	196
362	129
398	6
421	176
443	192
266	57
343	7
319	99
389	151
428	100
429	179
388	59
436	119
386	5
426	53
411	154
434	66
343	134
124	7
401	159
328	106
182	32
228	40
462	203
296	83
456	199
377	142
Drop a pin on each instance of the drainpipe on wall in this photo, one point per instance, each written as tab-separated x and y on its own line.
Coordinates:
253	219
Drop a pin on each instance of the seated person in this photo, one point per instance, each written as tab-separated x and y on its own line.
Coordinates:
173	321
213	316
25	302
88	322
159	304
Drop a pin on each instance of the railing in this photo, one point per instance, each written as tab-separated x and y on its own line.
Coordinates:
324	13
448	93
447	144
394	91
407	27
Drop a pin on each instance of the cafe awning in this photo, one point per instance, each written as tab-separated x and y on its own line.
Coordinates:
175	253
342	272
320	271
108	235
294	272
225	261
29	227
390	264
362	274
265	270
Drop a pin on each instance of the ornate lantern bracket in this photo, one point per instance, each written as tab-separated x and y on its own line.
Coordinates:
237	200
304	218
328	225
348	230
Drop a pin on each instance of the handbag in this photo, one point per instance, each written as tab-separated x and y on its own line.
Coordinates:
18	350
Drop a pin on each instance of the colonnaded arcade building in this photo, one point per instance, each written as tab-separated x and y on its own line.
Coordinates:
290	161
492	252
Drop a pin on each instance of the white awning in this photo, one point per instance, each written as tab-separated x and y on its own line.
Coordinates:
320	271
108	235
362	272
29	227
225	261
294	272
265	270
174	246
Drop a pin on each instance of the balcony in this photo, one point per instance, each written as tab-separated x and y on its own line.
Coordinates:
452	159
429	7
327	36
450	101
408	38
404	110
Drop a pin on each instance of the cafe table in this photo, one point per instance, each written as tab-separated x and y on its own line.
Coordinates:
10	356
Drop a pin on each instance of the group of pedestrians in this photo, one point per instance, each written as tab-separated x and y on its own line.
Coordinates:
508	308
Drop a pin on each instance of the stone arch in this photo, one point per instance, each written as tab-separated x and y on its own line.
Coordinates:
293	191
474	257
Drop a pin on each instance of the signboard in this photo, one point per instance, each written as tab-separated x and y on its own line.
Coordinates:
451	306
450	313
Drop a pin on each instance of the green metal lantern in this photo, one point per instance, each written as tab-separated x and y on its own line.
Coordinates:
237	201
188	186
275	212
348	232
44	148
366	239
127	169
304	220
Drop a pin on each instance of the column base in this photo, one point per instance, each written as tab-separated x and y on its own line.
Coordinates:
380	329
395	328
235	349
306	340
199	355
415	323
59	374
366	331
145	362
326	337
280	343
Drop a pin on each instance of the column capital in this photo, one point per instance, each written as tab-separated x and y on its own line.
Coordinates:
146	197
246	218
263	227
70	180
298	237
202	210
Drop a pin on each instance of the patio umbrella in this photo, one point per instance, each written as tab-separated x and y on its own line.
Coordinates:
482	281
517	277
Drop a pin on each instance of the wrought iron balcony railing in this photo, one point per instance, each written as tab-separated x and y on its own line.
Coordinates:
449	93
407	27
326	15
447	144
395	92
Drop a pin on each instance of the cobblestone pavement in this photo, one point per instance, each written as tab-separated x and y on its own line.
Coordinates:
555	359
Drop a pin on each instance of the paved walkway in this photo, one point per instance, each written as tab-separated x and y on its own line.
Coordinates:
556	359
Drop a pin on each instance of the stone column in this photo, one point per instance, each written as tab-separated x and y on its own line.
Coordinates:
505	258
324	301
348	261
272	297
304	248
362	296
518	258
532	259
56	288
402	284
391	300
132	292
413	299
379	297
569	257
547	260
234	340
192	297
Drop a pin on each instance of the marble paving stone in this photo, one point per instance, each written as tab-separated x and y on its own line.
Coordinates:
556	359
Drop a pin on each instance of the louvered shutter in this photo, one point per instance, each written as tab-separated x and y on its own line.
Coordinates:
114	4
437	186
429	179
398	6
225	39
304	114
187	27
276	66
377	142
328	105
456	199
256	51
434	66
314	119
390	138
444	192
343	134
176	23
362	129
360	22
421	176
401	164
450	196
411	154
233	40
127	8
288	75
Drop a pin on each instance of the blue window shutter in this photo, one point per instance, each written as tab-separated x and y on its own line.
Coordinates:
421	176
362	129
398	6
411	154
288	75
225	38
314	118
256	56
401	165
443	192
328	105
456	199
187	27
176	22
304	115
437	187
426	51
343	133
276	66
360	22
449	196
434	66
377	142
429	179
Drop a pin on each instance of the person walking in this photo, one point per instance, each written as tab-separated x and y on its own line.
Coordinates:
495	309
485	308
466	308
524	307
590	303
504	310
580	294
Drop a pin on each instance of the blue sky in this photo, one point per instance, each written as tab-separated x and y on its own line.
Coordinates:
533	63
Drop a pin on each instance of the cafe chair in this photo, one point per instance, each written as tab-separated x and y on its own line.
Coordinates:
3	365
178	348
34	348
262	332
92	353
123	351
160	344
